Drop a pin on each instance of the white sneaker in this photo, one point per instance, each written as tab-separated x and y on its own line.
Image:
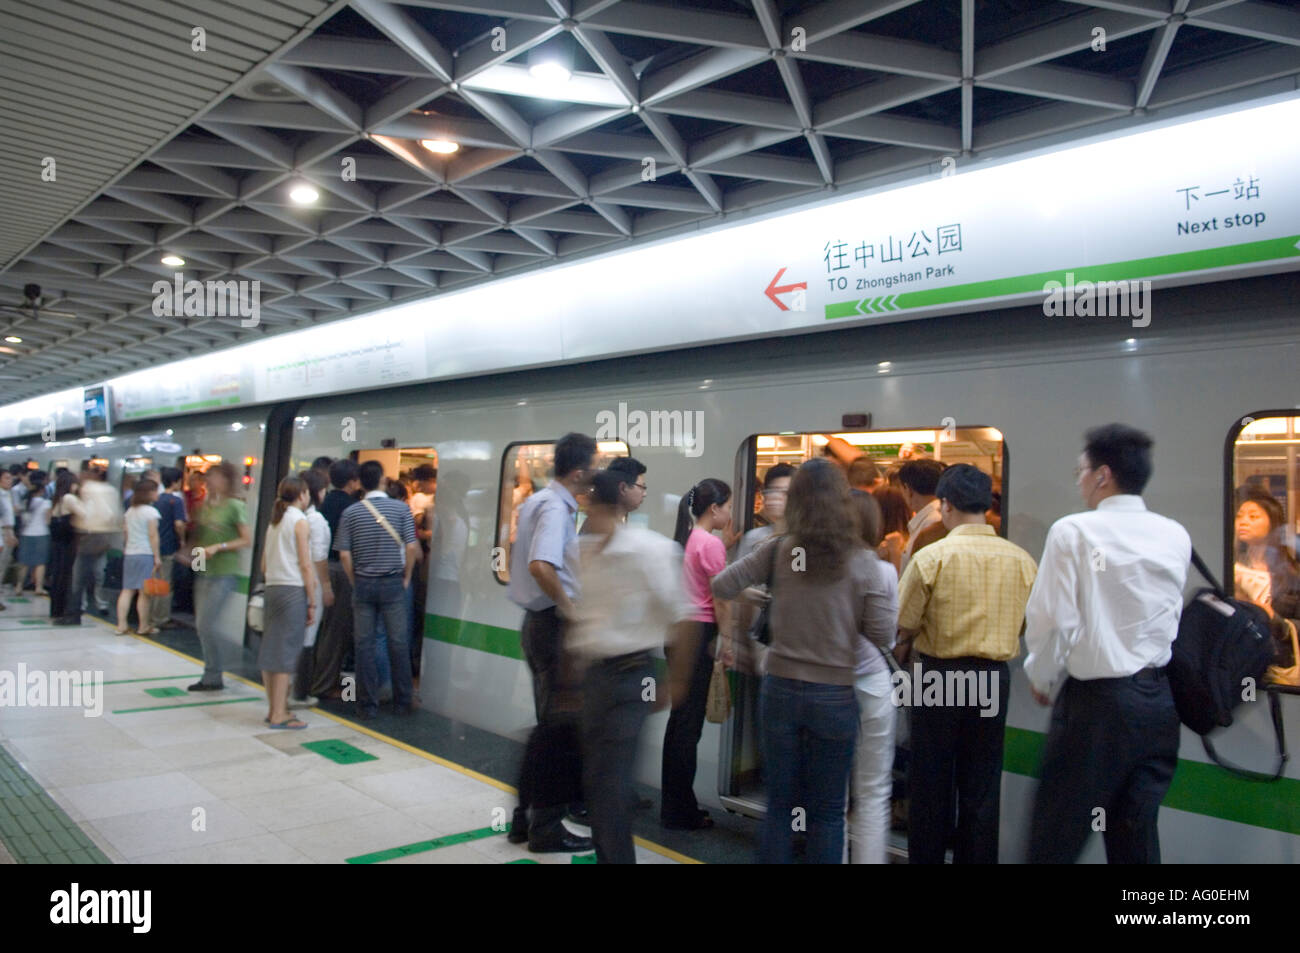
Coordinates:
309	702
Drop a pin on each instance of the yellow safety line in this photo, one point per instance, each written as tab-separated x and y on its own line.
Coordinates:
468	772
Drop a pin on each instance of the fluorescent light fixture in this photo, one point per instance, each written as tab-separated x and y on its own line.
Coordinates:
443	147
888	437
14	339
766	443
515	79
304	194
173	261
611	446
884	365
549	71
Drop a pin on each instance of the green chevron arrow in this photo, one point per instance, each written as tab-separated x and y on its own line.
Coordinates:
1181	262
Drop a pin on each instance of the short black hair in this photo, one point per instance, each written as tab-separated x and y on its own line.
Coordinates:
920	476
322	463
1126	450
342	472
605	485
627	465
573	451
425	471
778	472
170	475
370	472
966	488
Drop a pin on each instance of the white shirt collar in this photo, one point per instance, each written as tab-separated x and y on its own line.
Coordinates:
379	493
1123	501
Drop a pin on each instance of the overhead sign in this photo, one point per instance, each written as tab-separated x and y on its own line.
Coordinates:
1081	229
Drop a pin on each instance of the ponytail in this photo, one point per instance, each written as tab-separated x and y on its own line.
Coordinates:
696	503
286	494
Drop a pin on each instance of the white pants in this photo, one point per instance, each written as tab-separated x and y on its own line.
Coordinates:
873	763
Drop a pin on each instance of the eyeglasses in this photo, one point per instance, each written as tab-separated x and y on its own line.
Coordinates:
1080	471
640	486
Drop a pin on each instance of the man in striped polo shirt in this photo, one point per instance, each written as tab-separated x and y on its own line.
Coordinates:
376	545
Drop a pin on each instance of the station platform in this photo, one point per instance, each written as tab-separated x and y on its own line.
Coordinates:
161	775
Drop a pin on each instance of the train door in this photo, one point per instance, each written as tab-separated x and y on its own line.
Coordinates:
740	776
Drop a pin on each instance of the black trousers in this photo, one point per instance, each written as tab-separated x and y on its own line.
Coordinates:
956	766
63	556
551	776
682	736
333	638
613	710
1110	755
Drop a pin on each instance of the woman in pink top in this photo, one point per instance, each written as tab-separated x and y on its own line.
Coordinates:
707	507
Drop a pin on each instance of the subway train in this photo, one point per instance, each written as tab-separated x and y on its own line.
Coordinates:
1212	379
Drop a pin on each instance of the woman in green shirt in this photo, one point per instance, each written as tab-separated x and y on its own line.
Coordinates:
221	530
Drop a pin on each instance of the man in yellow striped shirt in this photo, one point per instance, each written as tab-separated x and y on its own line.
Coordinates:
961	609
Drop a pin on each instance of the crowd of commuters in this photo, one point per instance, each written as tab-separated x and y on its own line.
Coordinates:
852	578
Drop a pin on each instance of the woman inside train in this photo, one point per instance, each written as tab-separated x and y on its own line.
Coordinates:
1267	573
894	516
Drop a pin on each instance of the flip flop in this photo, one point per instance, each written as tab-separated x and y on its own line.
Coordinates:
293	724
149	631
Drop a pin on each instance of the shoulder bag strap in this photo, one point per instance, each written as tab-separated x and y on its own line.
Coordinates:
1204	570
379	518
1275	712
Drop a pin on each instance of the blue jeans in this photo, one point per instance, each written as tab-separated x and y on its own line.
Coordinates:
809	731
373	597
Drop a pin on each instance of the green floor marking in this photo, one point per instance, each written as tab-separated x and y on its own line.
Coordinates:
151	678
32	621
524	861
33	828
168	692
378	857
223	701
22	599
339	751
583	859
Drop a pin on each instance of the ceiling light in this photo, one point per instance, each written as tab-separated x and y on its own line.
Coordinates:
14	339
443	147
304	194
552	63
173	261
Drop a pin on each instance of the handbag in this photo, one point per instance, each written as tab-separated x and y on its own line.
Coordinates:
156	586
719	704
256	607
1286	674
763	624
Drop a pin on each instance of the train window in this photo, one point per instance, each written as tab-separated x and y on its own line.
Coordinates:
526	468
1262	523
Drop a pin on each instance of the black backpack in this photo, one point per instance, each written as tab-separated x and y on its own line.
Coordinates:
1221	642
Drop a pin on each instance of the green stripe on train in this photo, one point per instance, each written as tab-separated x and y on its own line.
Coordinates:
1198	787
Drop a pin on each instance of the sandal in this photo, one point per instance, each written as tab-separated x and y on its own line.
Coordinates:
149	631
121	632
293	724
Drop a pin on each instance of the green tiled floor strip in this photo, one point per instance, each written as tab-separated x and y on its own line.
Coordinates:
339	751
34	829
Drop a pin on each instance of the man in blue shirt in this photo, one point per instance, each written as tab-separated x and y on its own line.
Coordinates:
171	537
378	551
542	584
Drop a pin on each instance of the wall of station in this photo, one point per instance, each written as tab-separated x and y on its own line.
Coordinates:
1190	200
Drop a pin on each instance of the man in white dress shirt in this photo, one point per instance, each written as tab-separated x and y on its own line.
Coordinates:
1101	618
919	478
631	602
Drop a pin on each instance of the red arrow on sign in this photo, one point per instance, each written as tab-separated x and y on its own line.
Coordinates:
773	289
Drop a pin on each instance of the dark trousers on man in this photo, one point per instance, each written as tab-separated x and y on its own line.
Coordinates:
334	638
955	777
1110	755
92	552
374	597
613	711
551	776
682	736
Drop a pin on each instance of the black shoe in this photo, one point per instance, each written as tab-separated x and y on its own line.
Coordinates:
559	842
202	687
403	709
518	827
66	620
364	714
579	814
701	821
